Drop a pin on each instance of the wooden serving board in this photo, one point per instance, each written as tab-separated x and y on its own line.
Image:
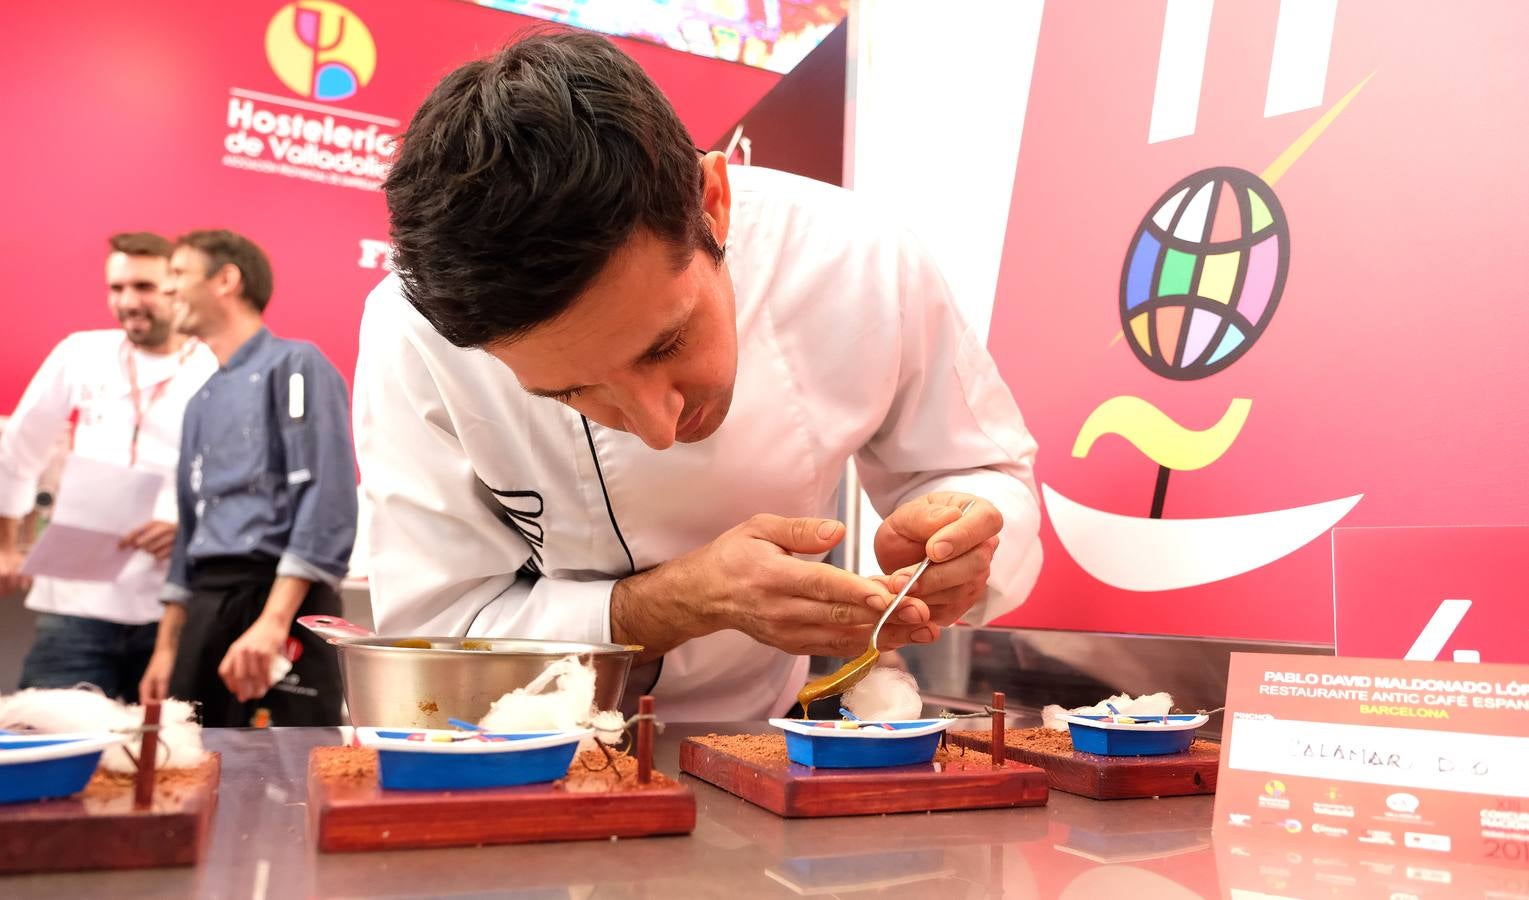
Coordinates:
98	828
1106	777
762	775
348	811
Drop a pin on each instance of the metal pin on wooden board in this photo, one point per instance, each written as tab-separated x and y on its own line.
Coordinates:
998	746
645	739
148	757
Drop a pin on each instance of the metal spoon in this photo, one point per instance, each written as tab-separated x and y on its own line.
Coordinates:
854	671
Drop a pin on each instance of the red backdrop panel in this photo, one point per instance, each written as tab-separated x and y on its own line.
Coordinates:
1394	364
1437	591
116	117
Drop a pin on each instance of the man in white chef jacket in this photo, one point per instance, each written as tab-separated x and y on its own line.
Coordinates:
578	416
117	396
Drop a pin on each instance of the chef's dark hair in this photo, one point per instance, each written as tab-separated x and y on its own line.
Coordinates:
140	243
228	248
522	174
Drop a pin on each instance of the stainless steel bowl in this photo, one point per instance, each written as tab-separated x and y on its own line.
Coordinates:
420	682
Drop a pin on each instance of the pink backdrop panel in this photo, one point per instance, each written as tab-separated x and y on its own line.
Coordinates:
117	117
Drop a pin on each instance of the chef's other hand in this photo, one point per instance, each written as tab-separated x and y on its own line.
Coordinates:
749	580
155	684
960	549
154	538
11	579
246	668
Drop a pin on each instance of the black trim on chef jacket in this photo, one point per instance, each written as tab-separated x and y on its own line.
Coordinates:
610	510
658	665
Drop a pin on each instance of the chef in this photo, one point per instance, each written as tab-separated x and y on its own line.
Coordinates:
611	389
267	495
114	396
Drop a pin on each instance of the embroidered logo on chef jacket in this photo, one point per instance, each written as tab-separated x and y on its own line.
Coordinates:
522	510
94	403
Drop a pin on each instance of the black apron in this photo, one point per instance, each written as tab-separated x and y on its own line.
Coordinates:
227	596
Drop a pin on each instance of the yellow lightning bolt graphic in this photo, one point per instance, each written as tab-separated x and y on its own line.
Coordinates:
1284	161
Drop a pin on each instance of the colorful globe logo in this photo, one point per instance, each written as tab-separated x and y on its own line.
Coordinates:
320	49
1204	273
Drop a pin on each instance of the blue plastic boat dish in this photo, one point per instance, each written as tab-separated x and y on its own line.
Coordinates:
1145	737
43	767
408	761
827	745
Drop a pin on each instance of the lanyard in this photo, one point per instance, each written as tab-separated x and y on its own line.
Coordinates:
141	408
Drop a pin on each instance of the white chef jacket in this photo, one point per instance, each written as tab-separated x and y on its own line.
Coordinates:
87	375
497	513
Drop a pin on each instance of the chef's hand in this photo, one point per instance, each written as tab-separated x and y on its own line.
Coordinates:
749	580
154	538
960	549
246	668
11	579
155	684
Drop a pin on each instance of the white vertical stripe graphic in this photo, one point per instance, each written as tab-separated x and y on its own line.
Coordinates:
1180	69
1303	41
1438	630
968	90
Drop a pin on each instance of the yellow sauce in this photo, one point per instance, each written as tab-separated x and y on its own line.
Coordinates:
837	683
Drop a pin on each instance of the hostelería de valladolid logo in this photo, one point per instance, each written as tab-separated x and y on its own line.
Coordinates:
320	49
323	54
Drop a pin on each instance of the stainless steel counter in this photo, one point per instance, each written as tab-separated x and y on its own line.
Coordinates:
1071	848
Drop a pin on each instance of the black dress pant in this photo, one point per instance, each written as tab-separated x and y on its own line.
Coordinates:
228	595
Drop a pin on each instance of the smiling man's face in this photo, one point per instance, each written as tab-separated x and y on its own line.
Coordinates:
134	287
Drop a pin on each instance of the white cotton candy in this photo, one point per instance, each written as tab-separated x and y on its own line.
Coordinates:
885	695
1051	717
609	726
57	711
1146	706
561	698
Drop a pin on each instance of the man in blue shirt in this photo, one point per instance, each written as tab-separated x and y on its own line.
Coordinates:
267	497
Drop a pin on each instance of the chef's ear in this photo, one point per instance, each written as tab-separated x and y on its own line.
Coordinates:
716	194
227	280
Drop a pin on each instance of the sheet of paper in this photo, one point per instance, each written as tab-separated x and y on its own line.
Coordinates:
97	504
81	554
104	496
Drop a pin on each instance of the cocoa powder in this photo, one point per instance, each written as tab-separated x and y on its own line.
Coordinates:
766	750
592	773
345	764
170	785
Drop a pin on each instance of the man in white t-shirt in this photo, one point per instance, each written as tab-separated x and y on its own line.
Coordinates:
116	396
612	389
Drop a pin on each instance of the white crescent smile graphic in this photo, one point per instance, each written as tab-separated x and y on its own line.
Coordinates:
1143	554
